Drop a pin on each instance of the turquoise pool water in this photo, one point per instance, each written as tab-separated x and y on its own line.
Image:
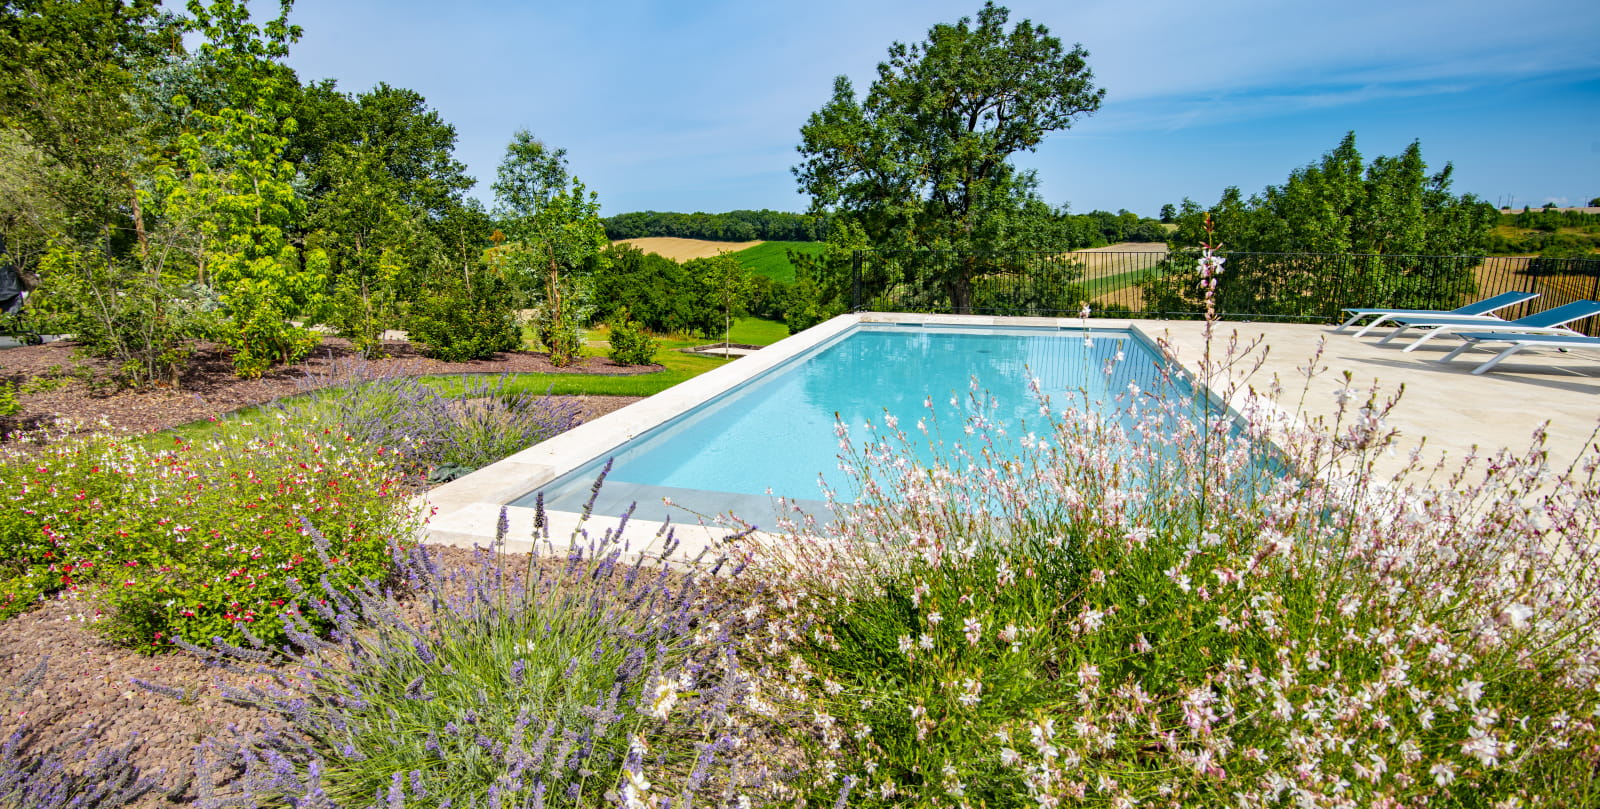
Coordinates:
775	434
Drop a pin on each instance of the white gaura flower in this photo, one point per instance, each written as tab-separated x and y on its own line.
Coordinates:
1514	616
1443	774
1484	747
973	630
970	696
636	791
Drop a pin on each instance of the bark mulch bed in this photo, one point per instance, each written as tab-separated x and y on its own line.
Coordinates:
76	387
86	686
87	681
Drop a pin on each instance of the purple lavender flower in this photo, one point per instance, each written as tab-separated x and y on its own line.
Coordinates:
397	677
414	689
397	792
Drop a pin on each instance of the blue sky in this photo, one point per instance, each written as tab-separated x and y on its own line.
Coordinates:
697	106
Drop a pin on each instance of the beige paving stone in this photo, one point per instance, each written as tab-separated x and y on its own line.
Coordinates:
1441	402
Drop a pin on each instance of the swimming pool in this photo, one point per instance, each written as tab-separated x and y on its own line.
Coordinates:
774	435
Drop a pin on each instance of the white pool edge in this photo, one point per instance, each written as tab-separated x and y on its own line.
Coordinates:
466	511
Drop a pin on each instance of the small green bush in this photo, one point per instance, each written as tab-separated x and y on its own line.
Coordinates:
9	406
558	333
259	332
630	344
465	321
361	313
194	541
145	322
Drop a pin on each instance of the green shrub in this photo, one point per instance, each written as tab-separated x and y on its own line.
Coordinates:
558	333
465	321
9	406
361	314
658	292
259	332
144	321
630	344
194	541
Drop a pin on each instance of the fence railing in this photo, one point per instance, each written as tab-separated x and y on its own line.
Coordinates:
1294	287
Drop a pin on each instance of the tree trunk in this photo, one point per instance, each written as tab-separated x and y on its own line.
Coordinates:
138	222
960	287
555	290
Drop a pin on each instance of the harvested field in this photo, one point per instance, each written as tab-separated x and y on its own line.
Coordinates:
685	249
1109	272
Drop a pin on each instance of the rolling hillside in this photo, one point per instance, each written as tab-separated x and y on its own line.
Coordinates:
685	249
770	259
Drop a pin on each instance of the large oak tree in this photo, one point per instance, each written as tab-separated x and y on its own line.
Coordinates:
924	160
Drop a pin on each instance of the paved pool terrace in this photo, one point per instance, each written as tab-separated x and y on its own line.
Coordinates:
1443	402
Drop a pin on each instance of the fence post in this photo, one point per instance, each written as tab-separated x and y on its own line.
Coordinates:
1593	267
855	287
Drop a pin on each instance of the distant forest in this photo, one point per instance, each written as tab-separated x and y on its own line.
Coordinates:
1092	229
733	226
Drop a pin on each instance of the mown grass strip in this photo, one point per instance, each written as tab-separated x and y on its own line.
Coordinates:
676	367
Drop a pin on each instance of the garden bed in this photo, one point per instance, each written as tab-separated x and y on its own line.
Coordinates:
722	350
62	676
57	382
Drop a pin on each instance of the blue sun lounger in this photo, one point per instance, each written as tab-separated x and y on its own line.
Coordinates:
1478	308
1550	321
1519	342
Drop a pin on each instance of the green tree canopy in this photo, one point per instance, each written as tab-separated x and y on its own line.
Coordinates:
539	204
925	159
555	221
1369	219
67	92
1340	204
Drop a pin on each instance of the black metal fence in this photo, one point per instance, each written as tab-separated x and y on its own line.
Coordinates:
1295	287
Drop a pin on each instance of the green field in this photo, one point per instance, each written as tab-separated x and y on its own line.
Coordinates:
772	258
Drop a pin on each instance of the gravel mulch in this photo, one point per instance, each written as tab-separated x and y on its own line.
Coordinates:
87	681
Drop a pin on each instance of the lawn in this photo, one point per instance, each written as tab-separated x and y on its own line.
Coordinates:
677	366
771	259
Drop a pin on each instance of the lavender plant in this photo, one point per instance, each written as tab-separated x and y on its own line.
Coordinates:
462	429
580	677
1130	613
78	772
